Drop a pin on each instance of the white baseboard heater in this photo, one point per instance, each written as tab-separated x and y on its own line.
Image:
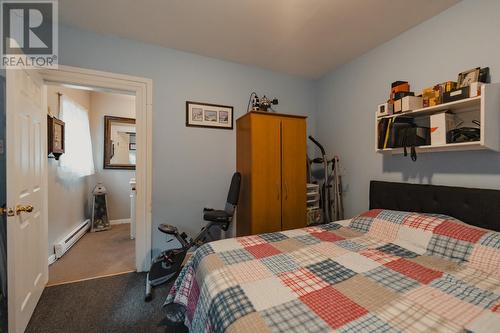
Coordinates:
67	242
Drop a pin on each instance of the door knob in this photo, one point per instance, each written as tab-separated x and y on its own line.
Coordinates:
23	208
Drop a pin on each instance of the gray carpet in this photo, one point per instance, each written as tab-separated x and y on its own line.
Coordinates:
112	304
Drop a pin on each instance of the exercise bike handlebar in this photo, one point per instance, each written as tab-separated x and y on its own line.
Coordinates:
323	152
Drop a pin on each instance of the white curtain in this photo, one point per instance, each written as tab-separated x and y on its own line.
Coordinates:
77	158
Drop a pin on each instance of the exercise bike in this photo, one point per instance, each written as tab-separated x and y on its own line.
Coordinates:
331	204
168	264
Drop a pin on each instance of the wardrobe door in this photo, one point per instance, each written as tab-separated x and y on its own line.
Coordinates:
266	174
294	171
243	223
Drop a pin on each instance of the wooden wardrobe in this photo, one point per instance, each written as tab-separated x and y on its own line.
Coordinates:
271	157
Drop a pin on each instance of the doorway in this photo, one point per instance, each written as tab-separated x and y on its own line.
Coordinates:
91	183
27	204
142	88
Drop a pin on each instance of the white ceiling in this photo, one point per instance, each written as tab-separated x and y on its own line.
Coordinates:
301	37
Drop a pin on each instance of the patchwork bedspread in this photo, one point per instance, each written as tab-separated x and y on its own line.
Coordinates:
383	271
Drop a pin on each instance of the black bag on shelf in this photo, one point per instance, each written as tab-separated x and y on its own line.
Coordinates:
413	137
398	127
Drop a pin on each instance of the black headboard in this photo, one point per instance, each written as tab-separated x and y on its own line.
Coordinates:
473	206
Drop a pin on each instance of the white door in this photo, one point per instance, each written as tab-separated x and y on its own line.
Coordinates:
26	195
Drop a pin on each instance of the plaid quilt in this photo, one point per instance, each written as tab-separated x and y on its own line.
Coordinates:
382	271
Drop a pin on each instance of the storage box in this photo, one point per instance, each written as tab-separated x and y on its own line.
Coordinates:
385	109
398	86
399	83
397	106
431	96
456	95
441	123
410	103
475	89
402	94
447	86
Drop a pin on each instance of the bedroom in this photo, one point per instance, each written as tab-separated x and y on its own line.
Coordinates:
337	80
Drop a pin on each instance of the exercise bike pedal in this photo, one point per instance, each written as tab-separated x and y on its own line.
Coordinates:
164	268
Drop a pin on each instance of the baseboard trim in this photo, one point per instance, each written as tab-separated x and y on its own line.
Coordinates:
52	259
120	221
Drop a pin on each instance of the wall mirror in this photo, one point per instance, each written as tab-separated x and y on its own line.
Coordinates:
119	143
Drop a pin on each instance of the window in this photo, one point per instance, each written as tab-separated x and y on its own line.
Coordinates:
77	158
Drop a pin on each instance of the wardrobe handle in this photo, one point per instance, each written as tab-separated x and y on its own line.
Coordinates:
277	191
286	191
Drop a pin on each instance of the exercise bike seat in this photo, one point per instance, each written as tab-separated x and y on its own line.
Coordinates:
216	216
168	229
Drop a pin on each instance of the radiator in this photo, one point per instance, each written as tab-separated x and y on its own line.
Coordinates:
67	242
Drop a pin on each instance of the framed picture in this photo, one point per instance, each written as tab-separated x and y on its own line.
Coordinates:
55	137
209	115
468	77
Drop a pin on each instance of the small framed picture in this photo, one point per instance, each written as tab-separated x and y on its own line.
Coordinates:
55	138
467	77
197	114
209	115
223	117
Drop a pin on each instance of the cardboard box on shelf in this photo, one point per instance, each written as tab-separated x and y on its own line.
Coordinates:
410	103
385	109
446	86
397	106
431	96
398	86
475	89
441	123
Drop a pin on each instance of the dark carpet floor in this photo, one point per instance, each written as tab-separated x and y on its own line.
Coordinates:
112	304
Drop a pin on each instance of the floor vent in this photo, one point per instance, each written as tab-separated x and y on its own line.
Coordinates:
70	240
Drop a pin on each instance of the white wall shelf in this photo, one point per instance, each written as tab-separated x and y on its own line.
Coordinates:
488	107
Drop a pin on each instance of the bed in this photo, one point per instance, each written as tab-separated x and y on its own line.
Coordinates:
420	260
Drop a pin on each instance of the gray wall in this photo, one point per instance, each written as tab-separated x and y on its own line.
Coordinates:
68	195
191	166
115	181
462	37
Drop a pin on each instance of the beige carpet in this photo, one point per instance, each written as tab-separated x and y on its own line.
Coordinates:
96	254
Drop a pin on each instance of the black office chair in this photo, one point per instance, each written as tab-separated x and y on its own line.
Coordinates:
169	263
